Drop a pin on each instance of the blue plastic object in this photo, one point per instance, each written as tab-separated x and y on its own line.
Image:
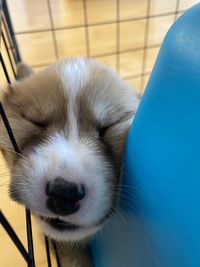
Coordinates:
162	168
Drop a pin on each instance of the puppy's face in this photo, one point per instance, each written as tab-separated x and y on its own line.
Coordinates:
71	123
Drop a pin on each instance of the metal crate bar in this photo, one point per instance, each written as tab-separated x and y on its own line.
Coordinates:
8	228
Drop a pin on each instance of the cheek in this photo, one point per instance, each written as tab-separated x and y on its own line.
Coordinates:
28	185
116	138
11	160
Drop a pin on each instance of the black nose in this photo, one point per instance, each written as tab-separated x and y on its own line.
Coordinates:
63	197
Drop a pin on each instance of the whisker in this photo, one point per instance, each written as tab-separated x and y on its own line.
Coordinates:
18	154
129	188
126	201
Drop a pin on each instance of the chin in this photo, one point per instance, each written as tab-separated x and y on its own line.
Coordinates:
64	231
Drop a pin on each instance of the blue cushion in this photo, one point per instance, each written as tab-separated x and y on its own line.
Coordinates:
158	223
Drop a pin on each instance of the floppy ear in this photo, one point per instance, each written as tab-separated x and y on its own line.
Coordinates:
23	71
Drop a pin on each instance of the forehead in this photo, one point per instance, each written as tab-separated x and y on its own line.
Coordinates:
95	90
78	84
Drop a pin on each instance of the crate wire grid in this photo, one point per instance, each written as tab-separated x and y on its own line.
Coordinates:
8	39
118	52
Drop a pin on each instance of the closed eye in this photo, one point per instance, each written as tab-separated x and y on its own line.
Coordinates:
102	130
40	124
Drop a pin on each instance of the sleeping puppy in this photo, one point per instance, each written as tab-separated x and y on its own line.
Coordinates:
71	122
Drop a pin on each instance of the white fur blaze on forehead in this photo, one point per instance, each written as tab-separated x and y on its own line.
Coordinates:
75	74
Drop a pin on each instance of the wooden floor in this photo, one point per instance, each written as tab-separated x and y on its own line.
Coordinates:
48	30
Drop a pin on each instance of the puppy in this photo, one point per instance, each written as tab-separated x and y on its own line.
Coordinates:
70	122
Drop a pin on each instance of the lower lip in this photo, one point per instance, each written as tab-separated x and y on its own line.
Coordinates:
59	224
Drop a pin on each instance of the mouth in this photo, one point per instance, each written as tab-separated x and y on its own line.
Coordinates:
59	224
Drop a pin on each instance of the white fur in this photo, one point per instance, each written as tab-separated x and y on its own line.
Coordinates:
74	77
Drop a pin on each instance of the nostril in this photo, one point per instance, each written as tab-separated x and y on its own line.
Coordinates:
81	192
48	189
56	187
